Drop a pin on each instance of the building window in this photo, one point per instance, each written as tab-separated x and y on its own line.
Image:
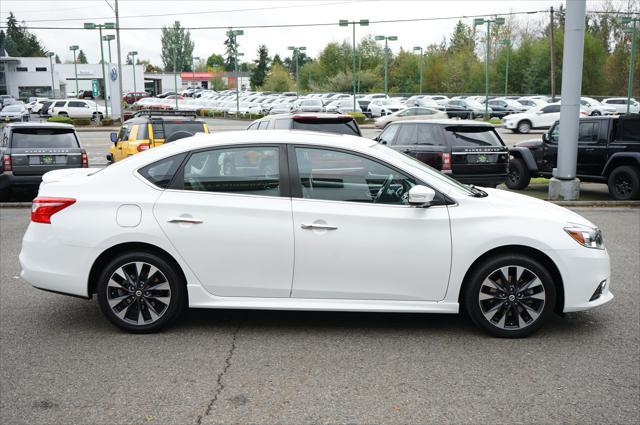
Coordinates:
41	69
21	69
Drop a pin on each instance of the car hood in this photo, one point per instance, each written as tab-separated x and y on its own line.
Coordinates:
517	116
531	143
511	204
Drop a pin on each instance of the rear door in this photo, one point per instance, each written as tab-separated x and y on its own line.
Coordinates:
592	148
476	150
424	142
547	116
37	150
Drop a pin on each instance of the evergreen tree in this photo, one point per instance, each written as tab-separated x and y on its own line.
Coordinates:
82	58
276	60
262	67
176	47
58	59
230	50
19	42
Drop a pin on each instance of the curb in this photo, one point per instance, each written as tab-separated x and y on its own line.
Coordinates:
576	204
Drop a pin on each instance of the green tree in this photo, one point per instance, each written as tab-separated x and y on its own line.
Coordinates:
19	42
335	58
278	80
81	58
176	47
215	61
230	50
261	68
57	59
276	60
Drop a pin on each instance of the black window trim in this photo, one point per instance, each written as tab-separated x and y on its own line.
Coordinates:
177	182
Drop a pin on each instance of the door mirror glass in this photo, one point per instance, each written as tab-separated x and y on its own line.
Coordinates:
421	196
114	137
545	137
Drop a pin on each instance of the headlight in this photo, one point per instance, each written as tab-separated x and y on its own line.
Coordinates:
586	236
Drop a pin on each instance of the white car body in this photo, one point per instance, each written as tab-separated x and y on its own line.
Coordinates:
281	252
530	103
412	113
75	108
541	117
380	107
620	104
596	108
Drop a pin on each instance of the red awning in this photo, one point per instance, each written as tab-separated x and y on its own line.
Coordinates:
196	76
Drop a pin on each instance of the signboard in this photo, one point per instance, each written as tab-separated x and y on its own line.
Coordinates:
95	88
114	92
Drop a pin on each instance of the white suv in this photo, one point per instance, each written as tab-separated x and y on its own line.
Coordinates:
620	103
76	108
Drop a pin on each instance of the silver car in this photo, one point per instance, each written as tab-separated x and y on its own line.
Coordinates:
14	113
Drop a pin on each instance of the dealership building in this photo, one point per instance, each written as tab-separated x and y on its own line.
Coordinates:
35	76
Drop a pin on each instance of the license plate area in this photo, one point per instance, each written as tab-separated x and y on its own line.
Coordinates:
47	159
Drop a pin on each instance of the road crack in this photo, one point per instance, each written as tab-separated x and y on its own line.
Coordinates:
219	381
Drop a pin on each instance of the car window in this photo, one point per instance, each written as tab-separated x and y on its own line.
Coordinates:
253	126
142	133
407	134
475	136
164	129
630	130
430	135
77	104
407	112
59	104
161	173
339	176
44	138
550	109
124	132
263	125
336	126
281	124
588	132
388	134
424	111
247	171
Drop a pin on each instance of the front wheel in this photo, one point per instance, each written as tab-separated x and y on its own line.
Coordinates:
524	127
624	183
518	176
510	295
141	292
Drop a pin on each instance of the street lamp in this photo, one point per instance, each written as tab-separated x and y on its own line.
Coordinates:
108	38
193	68
133	55
53	88
625	20
75	64
507	43
296	53
386	57
415	49
107	26
362	23
482	21
232	34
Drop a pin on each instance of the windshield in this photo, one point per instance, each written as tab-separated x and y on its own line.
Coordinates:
415	164
479	136
12	108
311	103
43	138
325	126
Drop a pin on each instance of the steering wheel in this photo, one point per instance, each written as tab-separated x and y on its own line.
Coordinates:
383	188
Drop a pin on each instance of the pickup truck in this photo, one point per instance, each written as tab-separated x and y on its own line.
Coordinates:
608	152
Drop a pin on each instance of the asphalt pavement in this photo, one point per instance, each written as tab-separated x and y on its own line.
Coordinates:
62	362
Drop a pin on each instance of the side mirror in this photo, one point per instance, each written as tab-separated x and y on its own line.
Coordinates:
114	137
421	196
545	137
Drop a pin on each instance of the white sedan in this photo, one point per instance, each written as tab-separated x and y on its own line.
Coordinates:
298	220
410	114
381	107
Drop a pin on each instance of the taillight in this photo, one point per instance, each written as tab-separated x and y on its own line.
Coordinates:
143	147
85	160
6	162
446	161
43	208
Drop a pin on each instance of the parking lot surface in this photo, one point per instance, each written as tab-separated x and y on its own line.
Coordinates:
62	362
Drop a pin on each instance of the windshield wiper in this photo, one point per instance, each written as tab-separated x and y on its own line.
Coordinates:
478	193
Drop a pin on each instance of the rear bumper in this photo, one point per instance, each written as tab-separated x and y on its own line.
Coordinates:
8	180
481	179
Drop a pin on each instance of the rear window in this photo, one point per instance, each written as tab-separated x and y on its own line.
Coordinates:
472	136
629	130
44	138
162	130
161	173
328	126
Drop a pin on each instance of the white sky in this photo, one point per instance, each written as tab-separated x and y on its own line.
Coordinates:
61	13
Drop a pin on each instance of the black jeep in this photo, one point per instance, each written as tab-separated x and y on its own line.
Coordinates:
608	152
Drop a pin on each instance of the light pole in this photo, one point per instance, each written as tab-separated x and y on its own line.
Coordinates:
625	20
362	23
53	87
233	34
193	68
415	49
75	65
482	21
108	26
175	73
386	39
507	43
296	53
108	38
133	55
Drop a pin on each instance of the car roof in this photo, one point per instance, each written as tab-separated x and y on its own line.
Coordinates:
444	121
303	114
38	125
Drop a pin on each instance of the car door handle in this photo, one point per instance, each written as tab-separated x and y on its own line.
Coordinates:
318	226
184	220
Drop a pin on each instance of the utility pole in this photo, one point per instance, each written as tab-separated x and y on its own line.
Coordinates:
482	21
362	23
118	50
233	34
507	43
132	56
386	58
53	87
416	49
624	20
74	48
296	54
552	59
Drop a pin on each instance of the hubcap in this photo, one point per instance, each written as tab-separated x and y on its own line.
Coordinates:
512	297
138	293
623	185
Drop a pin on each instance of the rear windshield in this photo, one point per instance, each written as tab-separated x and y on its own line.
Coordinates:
338	127
44	138
473	136
162	131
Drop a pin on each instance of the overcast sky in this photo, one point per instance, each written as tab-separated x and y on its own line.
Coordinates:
239	14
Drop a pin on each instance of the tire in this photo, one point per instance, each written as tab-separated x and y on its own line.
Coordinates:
624	183
595	114
518	176
504	310
148	310
96	115
63	114
524	126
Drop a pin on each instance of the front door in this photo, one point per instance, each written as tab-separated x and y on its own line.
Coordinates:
355	235
227	219
592	149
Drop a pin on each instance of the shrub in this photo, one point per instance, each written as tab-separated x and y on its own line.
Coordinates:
65	120
107	122
81	121
358	116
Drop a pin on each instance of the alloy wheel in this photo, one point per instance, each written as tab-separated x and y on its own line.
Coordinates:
623	185
138	293
512	297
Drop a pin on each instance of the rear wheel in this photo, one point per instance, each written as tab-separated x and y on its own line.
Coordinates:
63	114
510	295
524	127
141	292
595	113
96	116
624	183
518	176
